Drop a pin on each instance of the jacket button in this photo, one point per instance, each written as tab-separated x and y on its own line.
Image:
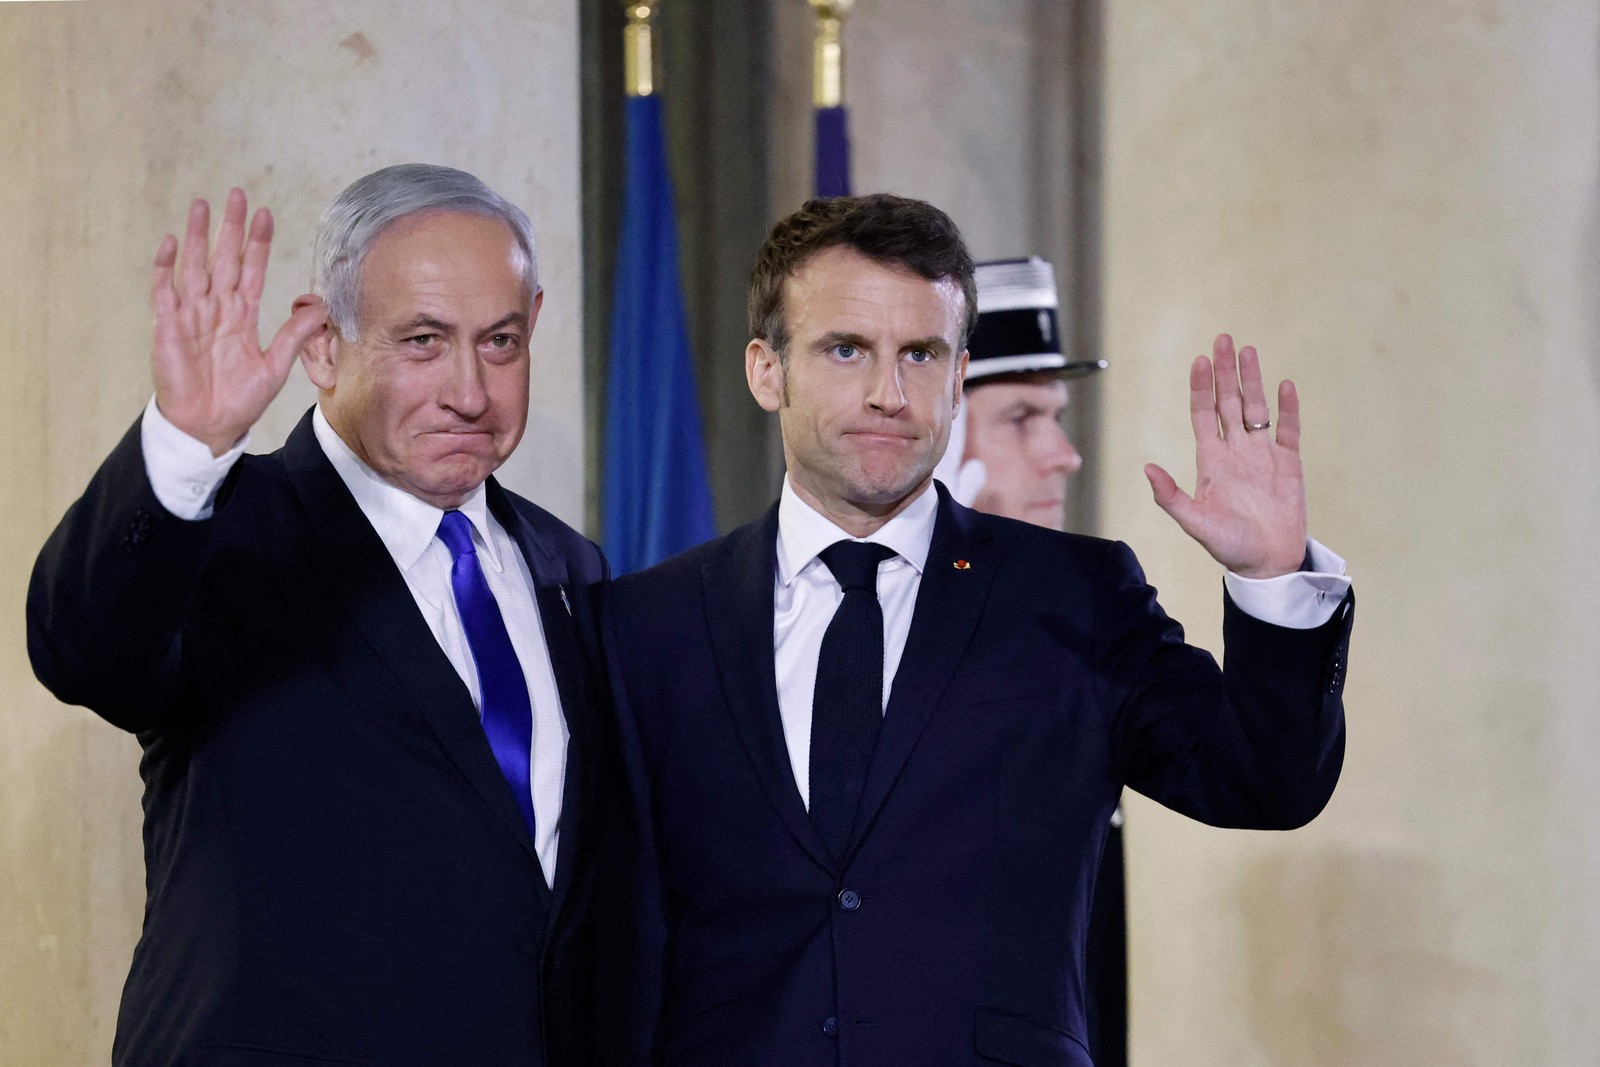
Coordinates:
830	1026
849	900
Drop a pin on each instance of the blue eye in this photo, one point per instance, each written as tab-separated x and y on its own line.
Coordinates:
844	351
920	355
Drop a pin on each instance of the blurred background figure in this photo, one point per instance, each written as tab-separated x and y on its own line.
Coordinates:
1011	455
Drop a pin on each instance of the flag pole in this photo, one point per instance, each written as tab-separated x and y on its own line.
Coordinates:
639	47
832	139
655	492
827	53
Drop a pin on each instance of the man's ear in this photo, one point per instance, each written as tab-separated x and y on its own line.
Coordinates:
318	356
533	309
763	372
961	378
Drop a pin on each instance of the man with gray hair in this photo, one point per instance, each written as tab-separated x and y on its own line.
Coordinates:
362	674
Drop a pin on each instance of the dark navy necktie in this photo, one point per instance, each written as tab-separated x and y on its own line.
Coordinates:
505	709
847	704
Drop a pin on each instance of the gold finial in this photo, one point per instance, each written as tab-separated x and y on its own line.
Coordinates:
638	47
827	53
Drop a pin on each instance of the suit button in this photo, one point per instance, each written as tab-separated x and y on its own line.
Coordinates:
830	1026
849	900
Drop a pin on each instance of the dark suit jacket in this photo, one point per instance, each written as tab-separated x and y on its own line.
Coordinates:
1039	678
336	872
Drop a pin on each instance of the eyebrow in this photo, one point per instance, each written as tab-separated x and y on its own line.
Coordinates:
428	322
515	318
417	322
1029	407
844	337
928	344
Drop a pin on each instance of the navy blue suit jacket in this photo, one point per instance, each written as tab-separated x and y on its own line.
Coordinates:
1039	677
336	872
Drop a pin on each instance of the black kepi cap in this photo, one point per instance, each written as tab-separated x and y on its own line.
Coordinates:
1018	331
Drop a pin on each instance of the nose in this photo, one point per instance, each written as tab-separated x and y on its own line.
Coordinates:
886	394
1060	454
463	390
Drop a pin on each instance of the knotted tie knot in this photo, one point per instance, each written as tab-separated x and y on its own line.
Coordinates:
455	530
854	564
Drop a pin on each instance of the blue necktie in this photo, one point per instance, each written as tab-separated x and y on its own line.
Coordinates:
505	710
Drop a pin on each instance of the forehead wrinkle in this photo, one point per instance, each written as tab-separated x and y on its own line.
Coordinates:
433	269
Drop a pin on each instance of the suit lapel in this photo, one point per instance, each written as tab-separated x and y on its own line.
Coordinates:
360	577
557	606
961	566
739	606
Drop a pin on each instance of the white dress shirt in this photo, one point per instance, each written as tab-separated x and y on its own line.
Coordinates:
806	596
186	477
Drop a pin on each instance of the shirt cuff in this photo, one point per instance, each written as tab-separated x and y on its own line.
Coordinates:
1303	600
182	471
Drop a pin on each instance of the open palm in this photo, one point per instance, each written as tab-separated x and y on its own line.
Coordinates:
212	377
1249	504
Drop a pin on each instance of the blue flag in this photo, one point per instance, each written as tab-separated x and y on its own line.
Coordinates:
833	151
657	496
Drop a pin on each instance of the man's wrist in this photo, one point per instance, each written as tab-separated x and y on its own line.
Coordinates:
1300	600
184	471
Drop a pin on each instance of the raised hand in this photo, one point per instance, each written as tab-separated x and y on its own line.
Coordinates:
1249	504
212	378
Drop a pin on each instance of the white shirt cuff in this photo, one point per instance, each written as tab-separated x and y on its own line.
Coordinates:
1303	600
182	471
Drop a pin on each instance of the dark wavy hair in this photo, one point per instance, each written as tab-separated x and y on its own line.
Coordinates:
896	231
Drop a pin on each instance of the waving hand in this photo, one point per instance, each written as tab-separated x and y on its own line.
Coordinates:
212	378
1249	504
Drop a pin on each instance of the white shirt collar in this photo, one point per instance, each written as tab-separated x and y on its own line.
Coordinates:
803	532
405	524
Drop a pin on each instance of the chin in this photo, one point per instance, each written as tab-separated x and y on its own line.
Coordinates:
887	483
884	491
456	482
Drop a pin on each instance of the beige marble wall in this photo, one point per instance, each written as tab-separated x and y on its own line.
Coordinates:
1396	202
945	106
113	113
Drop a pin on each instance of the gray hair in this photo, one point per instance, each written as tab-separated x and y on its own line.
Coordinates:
368	206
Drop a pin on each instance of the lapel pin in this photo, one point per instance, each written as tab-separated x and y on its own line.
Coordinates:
564	602
962	565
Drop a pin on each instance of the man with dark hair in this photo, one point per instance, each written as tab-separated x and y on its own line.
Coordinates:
873	740
362	673
885	228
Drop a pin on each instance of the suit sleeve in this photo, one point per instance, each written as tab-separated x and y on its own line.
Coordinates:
110	593
1257	743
